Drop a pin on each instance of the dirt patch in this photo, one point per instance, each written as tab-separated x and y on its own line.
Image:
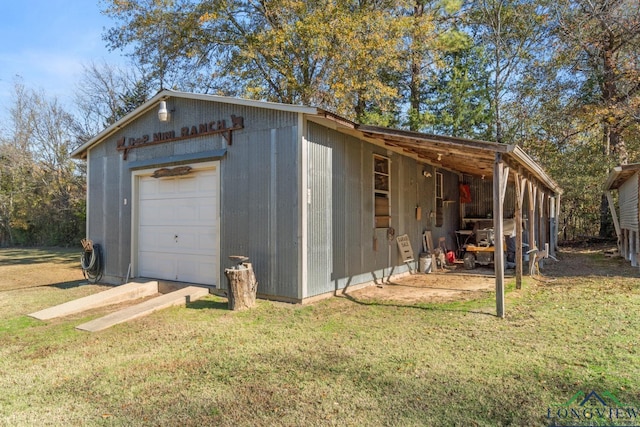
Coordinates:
453	285
457	284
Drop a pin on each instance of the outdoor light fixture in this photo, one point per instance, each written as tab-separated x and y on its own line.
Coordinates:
426	174
163	113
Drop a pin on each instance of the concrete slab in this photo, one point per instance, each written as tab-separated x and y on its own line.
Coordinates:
178	297
118	294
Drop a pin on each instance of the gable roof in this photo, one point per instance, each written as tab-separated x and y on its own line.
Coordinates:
80	151
468	156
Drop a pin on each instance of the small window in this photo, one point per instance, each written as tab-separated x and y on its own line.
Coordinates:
381	192
439	200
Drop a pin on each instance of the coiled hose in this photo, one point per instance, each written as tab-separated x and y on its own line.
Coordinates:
91	262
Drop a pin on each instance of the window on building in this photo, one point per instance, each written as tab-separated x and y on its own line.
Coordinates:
439	200
381	192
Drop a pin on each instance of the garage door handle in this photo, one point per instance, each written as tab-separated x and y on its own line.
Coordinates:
176	237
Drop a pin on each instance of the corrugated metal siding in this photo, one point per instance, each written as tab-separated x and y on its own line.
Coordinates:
341	169
416	190
339	203
628	195
356	224
451	207
260	206
319	213
109	219
481	205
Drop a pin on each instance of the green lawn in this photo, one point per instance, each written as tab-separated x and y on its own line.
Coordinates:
337	362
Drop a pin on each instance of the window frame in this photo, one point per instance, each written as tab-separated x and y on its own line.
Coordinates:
439	199
381	191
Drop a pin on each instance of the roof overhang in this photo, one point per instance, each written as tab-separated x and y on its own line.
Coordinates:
619	175
467	156
81	151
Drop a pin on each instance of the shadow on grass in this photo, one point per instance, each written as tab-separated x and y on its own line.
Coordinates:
208	305
39	256
69	285
579	262
62	285
444	307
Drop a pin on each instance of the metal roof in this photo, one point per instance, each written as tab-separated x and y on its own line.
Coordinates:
467	156
456	154
152	103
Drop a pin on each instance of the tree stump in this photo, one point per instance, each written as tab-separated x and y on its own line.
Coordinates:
242	286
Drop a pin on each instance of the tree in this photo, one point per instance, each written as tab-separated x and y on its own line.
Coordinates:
431	35
598	44
16	177
341	55
458	99
41	188
514	35
105	93
158	34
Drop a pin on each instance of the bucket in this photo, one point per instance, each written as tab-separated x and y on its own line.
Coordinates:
424	263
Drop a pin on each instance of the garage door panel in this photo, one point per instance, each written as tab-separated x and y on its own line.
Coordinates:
188	185
206	214
178	227
189	239
180	187
207	185
196	242
188	212
191	269
157	238
148	188
157	265
183	211
194	268
156	212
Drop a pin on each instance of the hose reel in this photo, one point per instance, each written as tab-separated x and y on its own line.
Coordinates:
91	261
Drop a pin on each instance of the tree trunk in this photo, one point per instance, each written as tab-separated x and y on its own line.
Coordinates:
242	288
415	71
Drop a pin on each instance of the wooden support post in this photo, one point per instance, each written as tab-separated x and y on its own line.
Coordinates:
542	229
636	255
532	219
625	244
498	231
552	226
242	289
634	248
518	219
614	215
557	219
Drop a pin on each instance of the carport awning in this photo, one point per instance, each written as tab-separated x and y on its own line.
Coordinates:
620	174
467	156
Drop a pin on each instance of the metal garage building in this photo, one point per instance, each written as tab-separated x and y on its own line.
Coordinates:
312	198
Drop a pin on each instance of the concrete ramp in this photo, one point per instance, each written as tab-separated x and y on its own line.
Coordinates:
118	294
178	297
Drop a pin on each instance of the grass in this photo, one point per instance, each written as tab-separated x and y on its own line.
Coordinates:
338	362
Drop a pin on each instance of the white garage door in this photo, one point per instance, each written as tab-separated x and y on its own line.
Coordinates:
178	227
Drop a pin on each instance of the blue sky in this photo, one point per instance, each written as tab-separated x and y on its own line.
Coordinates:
47	42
